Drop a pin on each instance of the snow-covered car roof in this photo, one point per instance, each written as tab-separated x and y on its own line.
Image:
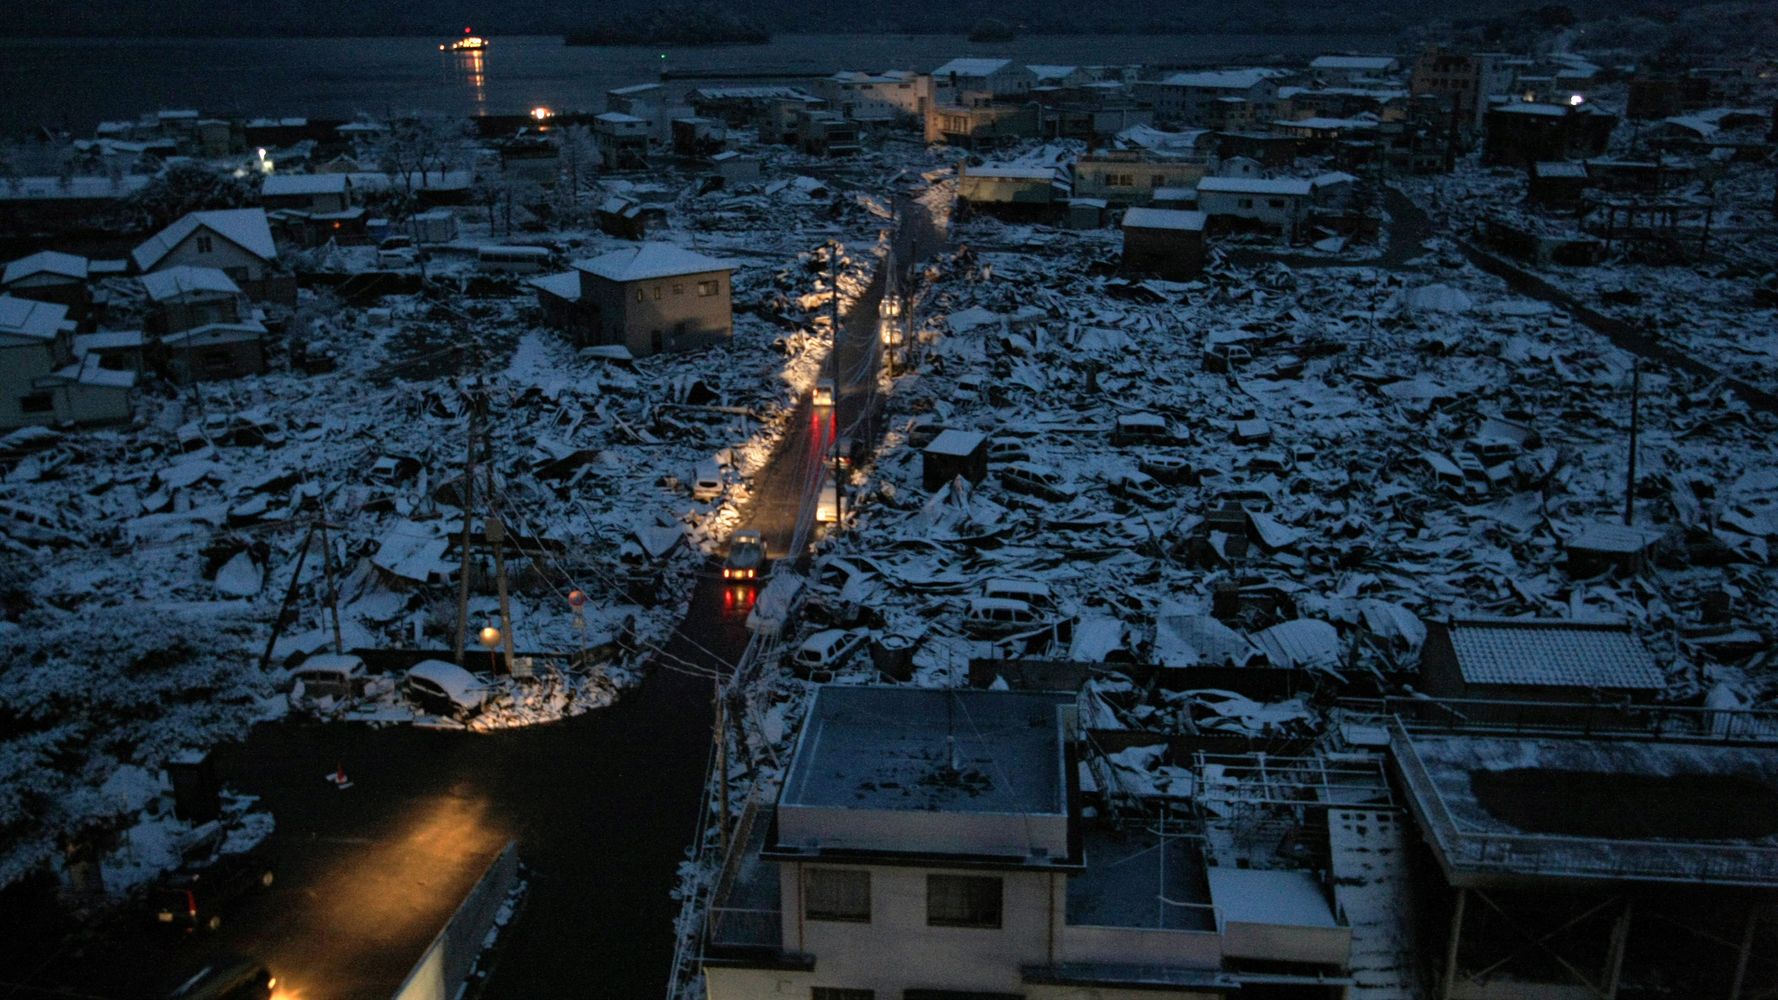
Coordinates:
459	684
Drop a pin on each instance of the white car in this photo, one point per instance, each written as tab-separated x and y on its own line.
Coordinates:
444	689
827	650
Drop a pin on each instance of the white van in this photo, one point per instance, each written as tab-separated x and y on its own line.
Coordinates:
336	676
826	651
1033	593
999	616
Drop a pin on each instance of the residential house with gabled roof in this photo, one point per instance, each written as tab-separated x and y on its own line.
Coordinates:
237	241
649	298
50	276
320	192
41	380
187	297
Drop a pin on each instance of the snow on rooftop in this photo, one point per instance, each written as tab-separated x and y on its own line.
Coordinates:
955	442
1290	186
288	185
184	279
565	285
54	262
1011	172
972	67
1548	652
244	227
1227	79
1369	64
651	260
1164	218
1279	897
28	318
889	748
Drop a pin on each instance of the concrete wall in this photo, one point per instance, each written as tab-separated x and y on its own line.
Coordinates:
897	951
1138	946
447	960
1311	945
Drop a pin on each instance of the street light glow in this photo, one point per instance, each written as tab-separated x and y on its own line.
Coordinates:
542	113
490	636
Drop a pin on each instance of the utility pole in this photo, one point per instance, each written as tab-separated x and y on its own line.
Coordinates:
333	594
1630	480
833	358
496	532
720	732
475	410
296	575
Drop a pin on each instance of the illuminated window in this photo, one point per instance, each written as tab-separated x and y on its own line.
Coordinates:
962	901
837	894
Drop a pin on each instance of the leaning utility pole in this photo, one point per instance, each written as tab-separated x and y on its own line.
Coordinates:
475	410
333	594
496	532
1630	480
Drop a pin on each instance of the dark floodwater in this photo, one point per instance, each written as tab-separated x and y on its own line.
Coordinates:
75	83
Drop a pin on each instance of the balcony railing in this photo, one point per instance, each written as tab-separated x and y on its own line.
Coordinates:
1497	852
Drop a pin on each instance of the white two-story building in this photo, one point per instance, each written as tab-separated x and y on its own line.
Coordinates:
930	845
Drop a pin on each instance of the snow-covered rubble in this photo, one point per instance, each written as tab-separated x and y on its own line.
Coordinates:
145	565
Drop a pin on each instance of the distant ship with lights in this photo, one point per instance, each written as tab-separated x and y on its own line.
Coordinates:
470	42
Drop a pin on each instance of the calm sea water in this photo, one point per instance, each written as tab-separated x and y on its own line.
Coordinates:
75	83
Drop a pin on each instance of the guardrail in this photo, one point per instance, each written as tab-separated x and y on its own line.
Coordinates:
1571	719
447	961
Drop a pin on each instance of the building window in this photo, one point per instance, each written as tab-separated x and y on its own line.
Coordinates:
36	402
708	288
204	244
678	289
1156	180
1244	203
657	293
840	993
1120	180
1274	202
962	901
837	894
639	295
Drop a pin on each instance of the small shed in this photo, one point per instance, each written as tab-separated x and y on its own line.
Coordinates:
1557	183
1536	660
952	454
1086	213
1166	241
